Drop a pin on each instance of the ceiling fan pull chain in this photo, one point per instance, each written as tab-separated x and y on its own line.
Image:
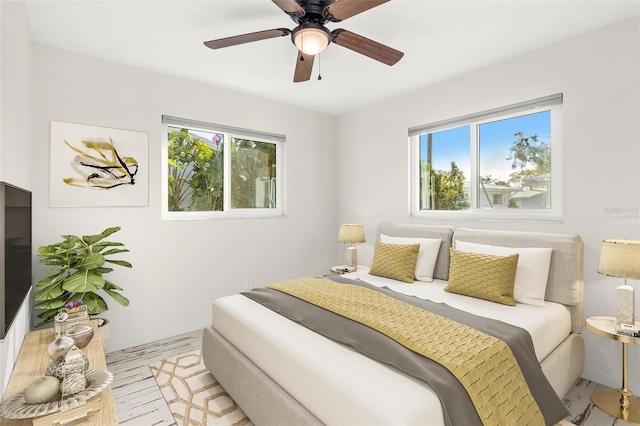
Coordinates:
319	62
302	38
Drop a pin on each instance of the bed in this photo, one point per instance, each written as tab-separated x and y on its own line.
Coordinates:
280	372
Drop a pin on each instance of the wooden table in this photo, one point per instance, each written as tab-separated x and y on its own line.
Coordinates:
33	361
621	404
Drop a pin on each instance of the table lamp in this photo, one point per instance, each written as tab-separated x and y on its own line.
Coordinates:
621	259
351	233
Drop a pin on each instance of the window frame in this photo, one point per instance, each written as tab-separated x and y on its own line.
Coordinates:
551	103
229	134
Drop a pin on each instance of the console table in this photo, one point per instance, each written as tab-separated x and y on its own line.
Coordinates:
32	363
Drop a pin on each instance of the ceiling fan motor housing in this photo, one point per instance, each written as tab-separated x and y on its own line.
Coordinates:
314	11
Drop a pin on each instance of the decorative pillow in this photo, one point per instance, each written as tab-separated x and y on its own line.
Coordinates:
483	276
427	255
395	261
532	272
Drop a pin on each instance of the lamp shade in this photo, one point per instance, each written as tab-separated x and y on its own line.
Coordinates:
620	259
351	233
311	39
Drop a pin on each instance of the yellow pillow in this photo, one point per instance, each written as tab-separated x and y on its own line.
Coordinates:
483	276
395	261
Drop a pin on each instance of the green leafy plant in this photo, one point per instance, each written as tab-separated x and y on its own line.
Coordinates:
78	266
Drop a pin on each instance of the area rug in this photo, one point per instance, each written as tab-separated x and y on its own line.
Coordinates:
194	396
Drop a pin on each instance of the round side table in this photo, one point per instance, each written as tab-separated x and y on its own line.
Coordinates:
339	269
621	404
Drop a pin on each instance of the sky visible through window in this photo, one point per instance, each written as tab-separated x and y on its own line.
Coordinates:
495	140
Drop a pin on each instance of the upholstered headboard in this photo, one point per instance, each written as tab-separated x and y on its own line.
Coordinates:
566	271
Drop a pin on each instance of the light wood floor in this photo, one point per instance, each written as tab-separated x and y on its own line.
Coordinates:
140	403
138	399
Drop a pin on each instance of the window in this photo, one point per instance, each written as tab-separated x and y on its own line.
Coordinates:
217	171
503	163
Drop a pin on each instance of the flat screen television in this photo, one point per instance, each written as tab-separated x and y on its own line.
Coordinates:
15	253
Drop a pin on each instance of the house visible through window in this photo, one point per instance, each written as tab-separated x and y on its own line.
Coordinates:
218	171
503	163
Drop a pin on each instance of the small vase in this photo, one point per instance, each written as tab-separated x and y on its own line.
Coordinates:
105	332
60	346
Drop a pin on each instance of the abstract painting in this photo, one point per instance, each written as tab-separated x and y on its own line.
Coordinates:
93	166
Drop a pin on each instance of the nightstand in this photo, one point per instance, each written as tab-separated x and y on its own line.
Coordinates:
621	404
338	269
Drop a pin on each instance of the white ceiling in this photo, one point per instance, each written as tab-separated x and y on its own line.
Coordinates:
440	39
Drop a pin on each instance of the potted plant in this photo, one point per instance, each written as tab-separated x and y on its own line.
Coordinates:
78	266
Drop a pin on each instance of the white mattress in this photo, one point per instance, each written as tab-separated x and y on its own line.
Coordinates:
342	387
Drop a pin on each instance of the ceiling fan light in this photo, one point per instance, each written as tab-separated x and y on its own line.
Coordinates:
311	41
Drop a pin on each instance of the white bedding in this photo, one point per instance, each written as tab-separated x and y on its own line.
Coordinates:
313	369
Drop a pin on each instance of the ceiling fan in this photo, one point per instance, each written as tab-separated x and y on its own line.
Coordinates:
312	37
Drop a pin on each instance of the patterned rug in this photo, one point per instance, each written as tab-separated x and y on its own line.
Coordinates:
194	396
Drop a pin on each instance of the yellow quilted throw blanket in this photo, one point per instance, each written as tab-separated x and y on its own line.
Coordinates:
483	364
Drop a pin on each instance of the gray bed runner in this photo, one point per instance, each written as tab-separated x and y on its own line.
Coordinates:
456	403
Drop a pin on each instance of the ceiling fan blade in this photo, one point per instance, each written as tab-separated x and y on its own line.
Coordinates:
290	7
366	47
246	38
343	9
304	66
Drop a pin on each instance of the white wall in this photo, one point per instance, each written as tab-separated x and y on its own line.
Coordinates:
180	267
15	92
15	142
599	75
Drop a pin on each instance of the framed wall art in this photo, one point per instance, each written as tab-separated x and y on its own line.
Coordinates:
94	166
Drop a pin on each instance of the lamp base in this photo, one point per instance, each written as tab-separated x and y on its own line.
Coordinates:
610	403
625	305
352	257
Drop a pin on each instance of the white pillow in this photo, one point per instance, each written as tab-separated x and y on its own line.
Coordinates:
532	272
427	255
